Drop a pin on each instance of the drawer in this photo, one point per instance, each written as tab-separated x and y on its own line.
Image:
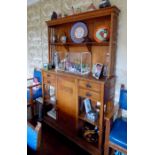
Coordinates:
89	85
89	94
49	81
48	75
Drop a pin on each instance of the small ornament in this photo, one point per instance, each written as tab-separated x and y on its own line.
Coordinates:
79	30
65	14
59	15
91	7
78	10
63	38
101	34
56	60
53	38
104	3
73	12
105	70
50	66
54	15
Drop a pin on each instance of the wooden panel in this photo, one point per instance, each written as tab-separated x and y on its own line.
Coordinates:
109	93
99	54
90	85
112	47
66	103
89	94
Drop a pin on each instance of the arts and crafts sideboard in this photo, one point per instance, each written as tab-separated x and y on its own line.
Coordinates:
72	90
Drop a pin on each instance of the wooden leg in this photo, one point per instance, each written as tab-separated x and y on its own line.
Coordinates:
106	150
31	102
112	152
107	132
32	110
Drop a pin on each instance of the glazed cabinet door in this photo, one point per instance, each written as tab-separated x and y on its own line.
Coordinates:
66	103
49	80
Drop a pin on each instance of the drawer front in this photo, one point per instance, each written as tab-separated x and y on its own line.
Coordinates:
48	75
49	78
89	94
89	85
49	81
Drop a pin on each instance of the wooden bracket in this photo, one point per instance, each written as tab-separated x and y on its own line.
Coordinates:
66	47
89	47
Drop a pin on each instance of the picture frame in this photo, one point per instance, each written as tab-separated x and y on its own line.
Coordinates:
87	105
97	70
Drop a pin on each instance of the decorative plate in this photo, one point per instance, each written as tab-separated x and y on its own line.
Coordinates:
78	31
101	34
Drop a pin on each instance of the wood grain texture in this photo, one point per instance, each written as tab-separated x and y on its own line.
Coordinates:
66	103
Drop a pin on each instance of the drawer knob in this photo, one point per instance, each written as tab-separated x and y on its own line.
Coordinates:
88	85
48	75
88	94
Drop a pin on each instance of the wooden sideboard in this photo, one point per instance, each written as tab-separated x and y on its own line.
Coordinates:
72	89
69	89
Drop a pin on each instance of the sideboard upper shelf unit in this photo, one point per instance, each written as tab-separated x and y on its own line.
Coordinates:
84	16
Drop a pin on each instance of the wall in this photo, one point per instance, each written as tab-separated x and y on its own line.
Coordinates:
37	47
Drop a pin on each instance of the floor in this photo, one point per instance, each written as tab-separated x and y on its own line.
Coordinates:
54	143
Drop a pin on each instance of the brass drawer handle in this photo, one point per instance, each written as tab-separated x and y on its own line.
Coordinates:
88	94
48	75
88	85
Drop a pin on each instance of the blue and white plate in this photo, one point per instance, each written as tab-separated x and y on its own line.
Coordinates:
78	31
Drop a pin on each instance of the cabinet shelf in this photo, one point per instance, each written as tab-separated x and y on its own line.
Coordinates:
83	117
49	102
82	44
88	44
94	145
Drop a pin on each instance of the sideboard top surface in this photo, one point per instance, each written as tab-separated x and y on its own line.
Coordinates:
79	77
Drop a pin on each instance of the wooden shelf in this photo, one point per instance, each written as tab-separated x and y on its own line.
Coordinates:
89	77
82	44
48	101
78	140
88	44
94	145
84	16
83	117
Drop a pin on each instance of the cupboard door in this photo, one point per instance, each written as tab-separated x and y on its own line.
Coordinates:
66	102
